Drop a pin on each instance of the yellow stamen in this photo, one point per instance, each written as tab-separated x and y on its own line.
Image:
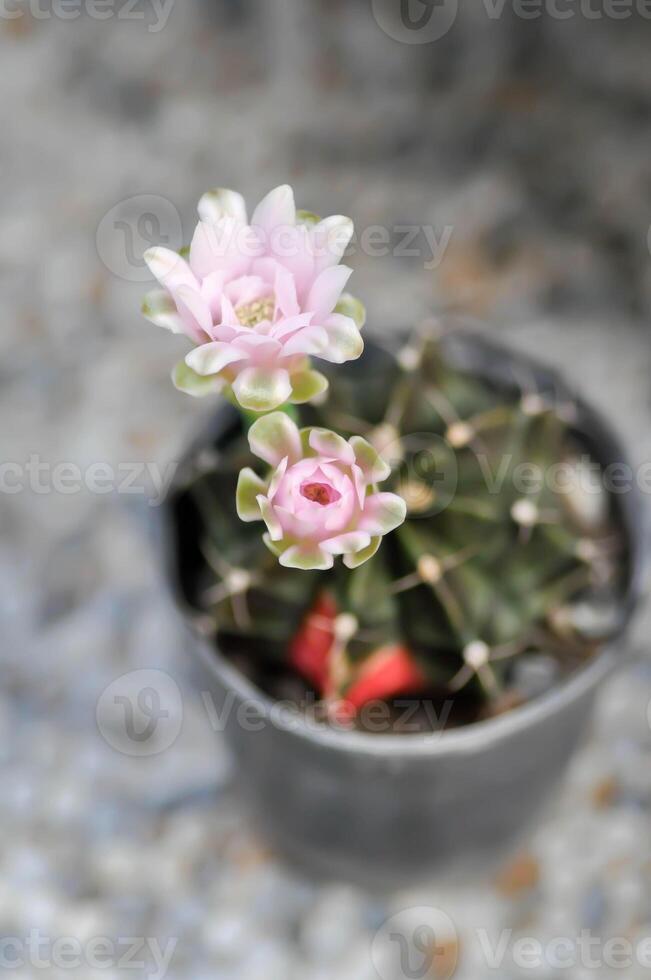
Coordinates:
251	314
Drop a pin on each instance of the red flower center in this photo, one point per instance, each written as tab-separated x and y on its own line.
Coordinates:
320	493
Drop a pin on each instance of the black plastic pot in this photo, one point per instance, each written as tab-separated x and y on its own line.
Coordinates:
386	809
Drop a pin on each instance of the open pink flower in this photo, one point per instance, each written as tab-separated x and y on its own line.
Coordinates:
258	300
320	499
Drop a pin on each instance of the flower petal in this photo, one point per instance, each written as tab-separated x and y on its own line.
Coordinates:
277	208
326	290
193	308
169	268
213	358
281	469
220	202
308	218
296	527
188	381
268	516
354	308
227	245
306	557
307	385
274	547
229	316
383	512
287	326
369	461
309	340
159	308
285	289
330	239
344	339
259	346
273	437
360	483
344	544
261	389
249	488
359	557
246	289
329	444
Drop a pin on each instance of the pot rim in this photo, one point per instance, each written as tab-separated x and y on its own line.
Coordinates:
464	740
501	364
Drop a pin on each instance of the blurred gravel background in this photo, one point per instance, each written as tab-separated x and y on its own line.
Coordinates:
530	142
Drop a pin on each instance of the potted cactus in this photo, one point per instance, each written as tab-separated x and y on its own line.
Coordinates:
412	553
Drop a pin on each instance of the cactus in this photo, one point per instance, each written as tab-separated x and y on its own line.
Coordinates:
490	571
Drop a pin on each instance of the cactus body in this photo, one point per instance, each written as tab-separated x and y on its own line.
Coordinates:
502	545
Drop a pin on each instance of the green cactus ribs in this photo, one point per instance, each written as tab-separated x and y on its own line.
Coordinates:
505	578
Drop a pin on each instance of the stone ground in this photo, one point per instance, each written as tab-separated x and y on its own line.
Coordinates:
534	151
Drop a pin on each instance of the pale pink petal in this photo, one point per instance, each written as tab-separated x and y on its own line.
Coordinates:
326	290
306	556
329	444
211	292
309	340
170	268
223	246
330	239
261	389
276	478
159	308
193	308
270	518
369	461
261	349
276	209
246	289
265	267
274	437
360	484
290	248
285	327
338	516
344	544
213	358
225	332
382	513
294	525
285	289
229	316
344	339
220	203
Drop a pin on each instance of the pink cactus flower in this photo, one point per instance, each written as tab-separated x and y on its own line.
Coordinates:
320	500
258	300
